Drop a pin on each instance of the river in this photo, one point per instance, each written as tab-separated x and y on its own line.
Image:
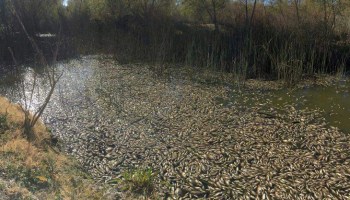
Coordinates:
203	138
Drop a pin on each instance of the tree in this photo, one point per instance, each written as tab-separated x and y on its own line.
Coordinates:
31	120
211	7
39	15
249	17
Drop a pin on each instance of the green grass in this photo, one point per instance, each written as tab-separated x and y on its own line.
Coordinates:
2	186
138	181
33	179
3	123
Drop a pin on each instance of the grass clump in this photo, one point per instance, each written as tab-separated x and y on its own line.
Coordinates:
3	123
137	181
33	179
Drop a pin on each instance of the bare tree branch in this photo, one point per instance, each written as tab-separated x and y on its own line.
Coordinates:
29	122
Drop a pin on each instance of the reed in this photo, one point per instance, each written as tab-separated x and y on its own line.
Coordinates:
268	45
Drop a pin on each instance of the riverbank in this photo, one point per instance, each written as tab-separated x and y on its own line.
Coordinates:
38	170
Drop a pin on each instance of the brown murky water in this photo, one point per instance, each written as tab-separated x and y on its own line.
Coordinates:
333	101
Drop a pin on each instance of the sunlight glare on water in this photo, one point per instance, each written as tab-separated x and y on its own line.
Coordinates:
332	101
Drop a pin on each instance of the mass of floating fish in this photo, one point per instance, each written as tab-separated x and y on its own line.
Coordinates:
127	116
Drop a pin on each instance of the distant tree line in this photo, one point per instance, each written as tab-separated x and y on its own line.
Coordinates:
277	39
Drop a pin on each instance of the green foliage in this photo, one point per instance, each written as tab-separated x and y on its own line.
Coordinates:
3	123
139	181
2	186
38	15
33	179
106	10
202	9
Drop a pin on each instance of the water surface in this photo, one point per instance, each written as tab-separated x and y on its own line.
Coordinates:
81	75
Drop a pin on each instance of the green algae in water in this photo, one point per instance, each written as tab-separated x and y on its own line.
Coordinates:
333	101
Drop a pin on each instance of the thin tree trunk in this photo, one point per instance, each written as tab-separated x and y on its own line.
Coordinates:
31	40
29	122
252	15
334	14
296	2
325	17
213	4
246	13
281	11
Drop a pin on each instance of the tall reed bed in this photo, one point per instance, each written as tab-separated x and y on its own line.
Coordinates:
266	52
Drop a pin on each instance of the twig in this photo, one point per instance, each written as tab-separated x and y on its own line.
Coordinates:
29	122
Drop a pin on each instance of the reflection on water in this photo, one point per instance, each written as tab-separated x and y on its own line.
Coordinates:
34	83
26	85
334	101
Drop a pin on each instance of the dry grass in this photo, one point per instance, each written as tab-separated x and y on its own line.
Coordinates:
32	170
15	115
